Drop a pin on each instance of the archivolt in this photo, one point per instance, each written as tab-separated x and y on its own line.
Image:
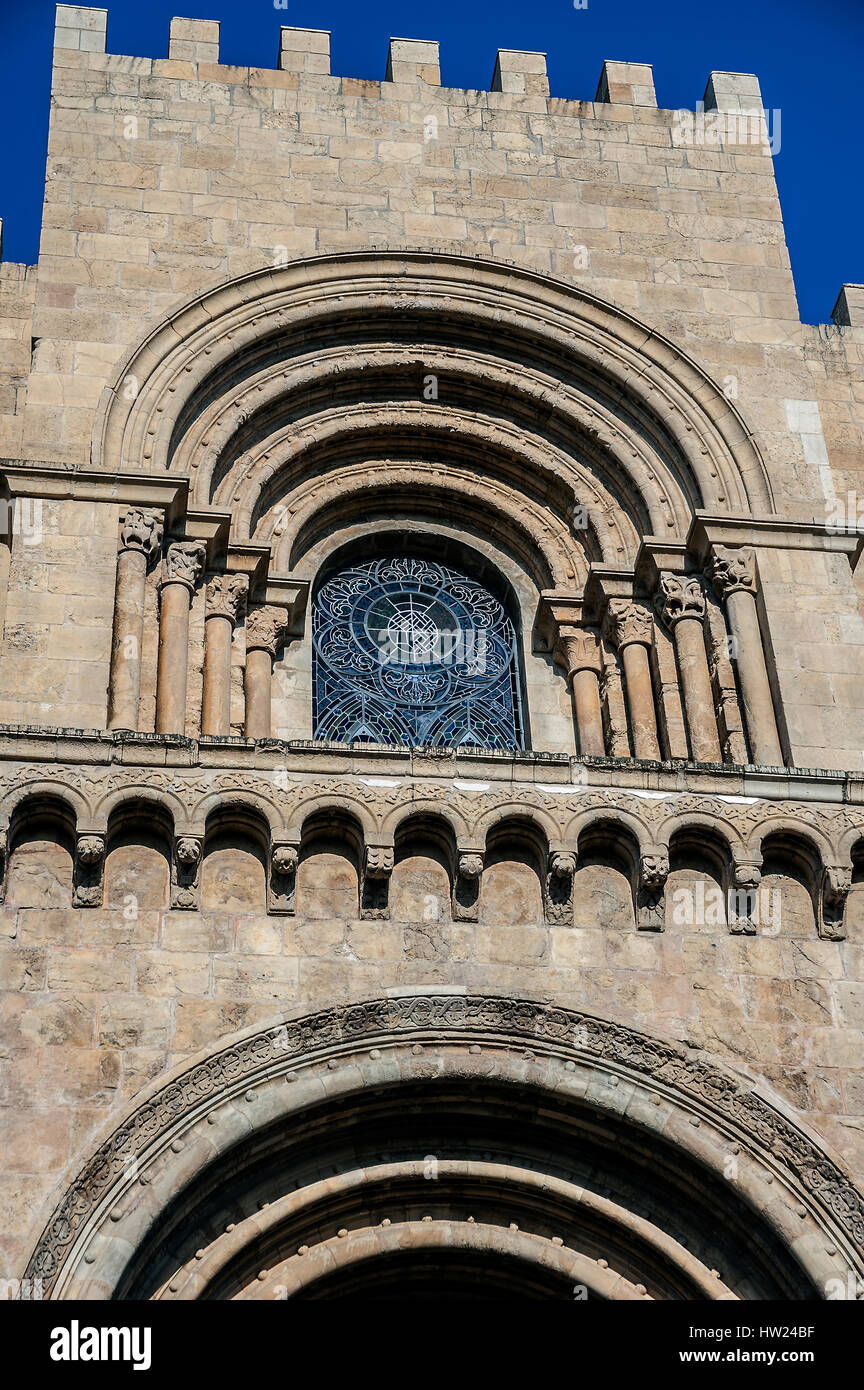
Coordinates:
195	1151
576	398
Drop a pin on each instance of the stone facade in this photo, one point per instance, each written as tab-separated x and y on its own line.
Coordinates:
281	317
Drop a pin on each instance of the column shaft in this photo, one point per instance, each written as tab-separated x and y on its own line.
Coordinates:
589	715
173	658
259	672
124	683
216	704
698	697
753	676
640	700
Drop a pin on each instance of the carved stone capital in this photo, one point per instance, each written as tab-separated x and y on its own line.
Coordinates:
378	861
184	563
88	870
141	530
836	883
746	875
580	647
470	866
562	865
732	570
654	869
266	629
226	596
90	849
679	596
627	621
188	850
284	860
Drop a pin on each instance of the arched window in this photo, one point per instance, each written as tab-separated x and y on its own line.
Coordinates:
408	651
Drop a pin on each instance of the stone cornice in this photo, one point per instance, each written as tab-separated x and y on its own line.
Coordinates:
77	747
707	530
688	1083
54	481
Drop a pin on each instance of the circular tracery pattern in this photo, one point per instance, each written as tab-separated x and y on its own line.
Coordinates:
408	651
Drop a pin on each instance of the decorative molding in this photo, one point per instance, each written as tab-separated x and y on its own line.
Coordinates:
701	1087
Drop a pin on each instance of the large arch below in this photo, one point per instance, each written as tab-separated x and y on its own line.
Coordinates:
438	1134
263	385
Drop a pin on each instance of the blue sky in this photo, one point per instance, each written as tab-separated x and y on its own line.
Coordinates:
808	57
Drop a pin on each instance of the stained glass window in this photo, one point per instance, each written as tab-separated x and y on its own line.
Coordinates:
407	651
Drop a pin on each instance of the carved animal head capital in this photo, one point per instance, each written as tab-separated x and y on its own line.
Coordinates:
654	868
733	570
90	849
188	849
470	865
562	865
141	530
679	596
628	622
284	859
266	629
226	596
184	563
836	883
379	861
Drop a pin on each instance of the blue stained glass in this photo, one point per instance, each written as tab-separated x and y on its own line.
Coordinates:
407	651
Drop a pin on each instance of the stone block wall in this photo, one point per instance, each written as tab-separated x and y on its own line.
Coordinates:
168	177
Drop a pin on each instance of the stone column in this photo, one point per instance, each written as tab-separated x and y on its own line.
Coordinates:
652	873
680	602
184	563
734	576
140	538
467	874
88	870
584	664
226	600
631	630
265	630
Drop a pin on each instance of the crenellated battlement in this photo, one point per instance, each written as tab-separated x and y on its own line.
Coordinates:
306	53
